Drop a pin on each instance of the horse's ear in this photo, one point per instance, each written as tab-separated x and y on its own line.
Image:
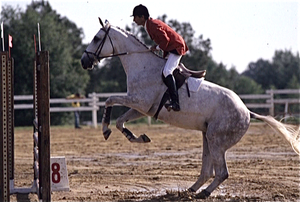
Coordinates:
101	23
107	24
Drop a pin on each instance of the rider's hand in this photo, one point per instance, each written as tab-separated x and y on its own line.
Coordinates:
154	48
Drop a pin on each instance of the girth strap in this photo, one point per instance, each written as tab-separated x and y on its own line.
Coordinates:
163	101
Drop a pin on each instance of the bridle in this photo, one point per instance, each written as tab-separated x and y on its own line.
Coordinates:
96	54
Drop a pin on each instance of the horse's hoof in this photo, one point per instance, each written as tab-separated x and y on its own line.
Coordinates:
174	107
145	138
203	195
191	190
168	107
106	134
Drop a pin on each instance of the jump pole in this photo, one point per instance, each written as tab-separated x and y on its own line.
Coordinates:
41	184
43	120
6	121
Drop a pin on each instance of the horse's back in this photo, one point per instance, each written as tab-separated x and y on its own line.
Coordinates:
212	104
222	99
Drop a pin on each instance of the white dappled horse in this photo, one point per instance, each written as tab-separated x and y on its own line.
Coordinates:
216	111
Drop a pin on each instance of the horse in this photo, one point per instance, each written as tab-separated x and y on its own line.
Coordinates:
216	111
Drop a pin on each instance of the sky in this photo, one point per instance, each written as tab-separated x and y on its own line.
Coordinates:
241	31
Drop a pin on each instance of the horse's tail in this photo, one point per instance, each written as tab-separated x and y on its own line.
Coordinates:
291	134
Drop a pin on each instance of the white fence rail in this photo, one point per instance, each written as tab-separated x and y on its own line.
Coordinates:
257	97
94	102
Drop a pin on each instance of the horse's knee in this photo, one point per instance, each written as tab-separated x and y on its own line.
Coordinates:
120	124
108	102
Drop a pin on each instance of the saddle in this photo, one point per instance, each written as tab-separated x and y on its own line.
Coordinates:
181	74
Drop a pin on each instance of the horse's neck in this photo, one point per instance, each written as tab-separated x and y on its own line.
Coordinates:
137	57
139	63
142	69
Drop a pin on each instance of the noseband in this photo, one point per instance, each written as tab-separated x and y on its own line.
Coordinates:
97	53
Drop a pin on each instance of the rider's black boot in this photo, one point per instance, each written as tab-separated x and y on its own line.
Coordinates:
174	104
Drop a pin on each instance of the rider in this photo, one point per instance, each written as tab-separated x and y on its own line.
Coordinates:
167	40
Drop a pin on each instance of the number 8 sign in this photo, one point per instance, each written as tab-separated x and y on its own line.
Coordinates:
55	167
59	174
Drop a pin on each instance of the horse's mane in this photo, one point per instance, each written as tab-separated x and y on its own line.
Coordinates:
135	37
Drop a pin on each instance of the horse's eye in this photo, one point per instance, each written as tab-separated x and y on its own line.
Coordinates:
96	38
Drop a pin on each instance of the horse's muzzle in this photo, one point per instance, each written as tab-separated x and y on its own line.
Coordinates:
86	62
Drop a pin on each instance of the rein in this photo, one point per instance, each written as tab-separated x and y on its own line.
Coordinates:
99	49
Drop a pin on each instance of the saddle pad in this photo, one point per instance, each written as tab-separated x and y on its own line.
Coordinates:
194	84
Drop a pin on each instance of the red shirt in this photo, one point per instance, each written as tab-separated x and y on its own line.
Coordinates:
165	36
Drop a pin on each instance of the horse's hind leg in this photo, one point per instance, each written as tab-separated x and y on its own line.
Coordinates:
130	115
218	142
207	167
221	173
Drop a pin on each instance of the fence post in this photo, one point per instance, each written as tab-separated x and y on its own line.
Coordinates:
149	120
286	108
271	110
94	112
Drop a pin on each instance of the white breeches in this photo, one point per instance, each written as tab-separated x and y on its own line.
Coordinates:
171	64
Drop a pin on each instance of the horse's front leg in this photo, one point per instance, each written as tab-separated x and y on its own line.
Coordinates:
105	122
131	115
122	100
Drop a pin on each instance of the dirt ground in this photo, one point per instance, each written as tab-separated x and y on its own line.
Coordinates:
262	166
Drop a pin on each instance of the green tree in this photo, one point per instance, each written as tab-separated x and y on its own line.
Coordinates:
262	72
287	66
245	85
217	73
278	73
60	37
293	83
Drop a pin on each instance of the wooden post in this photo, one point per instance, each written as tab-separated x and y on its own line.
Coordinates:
95	108
149	120
43	95
271	110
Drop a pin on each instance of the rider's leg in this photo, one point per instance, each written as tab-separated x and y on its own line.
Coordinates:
171	64
174	104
